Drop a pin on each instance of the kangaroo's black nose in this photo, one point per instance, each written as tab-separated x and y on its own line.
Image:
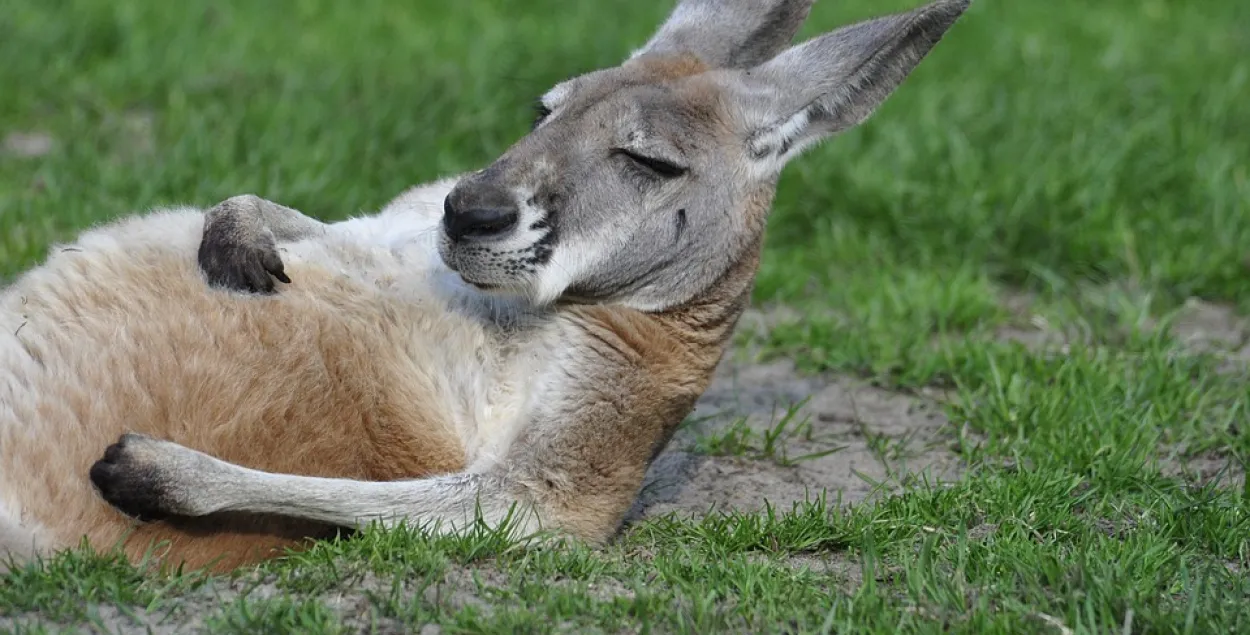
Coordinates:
478	211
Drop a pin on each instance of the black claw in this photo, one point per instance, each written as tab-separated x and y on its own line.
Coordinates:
272	262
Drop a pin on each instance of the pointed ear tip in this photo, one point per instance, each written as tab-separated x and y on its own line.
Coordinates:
954	6
947	11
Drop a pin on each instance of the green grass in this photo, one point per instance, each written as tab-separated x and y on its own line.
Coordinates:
1093	157
772	443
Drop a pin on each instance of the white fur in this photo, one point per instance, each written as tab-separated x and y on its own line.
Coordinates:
771	139
20	537
566	264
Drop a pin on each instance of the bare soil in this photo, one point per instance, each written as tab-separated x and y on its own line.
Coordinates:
880	438
1217	329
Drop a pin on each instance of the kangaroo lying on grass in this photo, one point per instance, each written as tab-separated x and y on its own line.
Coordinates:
527	336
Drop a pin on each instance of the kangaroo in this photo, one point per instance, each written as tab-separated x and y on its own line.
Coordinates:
228	384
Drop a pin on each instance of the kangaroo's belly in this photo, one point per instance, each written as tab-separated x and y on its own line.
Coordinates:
114	335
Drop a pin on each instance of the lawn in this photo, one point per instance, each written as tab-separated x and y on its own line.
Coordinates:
997	379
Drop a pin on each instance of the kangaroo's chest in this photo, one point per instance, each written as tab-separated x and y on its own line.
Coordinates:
481	362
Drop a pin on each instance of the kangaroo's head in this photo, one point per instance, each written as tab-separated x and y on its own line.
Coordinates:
644	183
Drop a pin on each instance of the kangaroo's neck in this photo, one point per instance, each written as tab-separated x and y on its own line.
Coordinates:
698	331
706	323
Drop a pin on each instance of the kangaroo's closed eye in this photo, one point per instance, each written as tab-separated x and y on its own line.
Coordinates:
659	167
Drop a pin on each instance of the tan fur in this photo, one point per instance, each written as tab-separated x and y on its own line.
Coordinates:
663	68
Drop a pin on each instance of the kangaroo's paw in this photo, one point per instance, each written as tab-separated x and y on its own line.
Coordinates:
140	476
237	251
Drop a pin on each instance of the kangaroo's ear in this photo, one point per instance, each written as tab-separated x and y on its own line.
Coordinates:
729	33
834	81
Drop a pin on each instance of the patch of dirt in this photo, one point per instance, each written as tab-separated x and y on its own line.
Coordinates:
1199	327
1213	328
1202	327
982	532
847	570
27	145
1118	529
1028	328
881	440
136	130
1205	469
